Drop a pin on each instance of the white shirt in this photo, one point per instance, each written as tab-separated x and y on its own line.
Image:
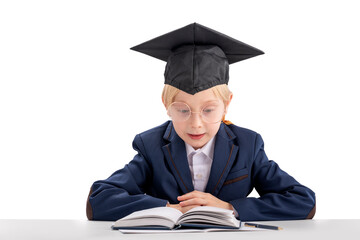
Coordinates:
200	162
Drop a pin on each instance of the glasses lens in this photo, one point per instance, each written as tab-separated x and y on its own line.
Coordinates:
179	111
213	112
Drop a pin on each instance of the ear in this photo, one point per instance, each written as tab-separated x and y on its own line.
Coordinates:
228	103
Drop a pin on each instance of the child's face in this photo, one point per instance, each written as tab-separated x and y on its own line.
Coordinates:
195	131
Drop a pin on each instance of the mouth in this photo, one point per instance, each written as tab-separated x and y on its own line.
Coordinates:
196	136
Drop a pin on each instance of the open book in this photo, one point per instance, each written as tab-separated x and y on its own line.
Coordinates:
171	218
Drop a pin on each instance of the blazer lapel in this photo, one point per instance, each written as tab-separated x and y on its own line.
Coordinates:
175	154
225	153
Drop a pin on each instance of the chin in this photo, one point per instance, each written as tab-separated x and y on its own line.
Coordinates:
197	144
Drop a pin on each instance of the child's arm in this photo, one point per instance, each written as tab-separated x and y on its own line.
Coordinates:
123	192
281	196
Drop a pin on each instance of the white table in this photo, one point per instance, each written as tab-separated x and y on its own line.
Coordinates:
83	229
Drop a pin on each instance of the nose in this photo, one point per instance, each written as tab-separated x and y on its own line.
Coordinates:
195	120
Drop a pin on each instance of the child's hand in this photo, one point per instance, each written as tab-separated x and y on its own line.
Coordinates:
196	198
182	209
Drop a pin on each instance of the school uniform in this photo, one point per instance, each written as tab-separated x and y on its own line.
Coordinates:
160	172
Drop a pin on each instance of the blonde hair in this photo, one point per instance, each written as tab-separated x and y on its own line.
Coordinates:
221	91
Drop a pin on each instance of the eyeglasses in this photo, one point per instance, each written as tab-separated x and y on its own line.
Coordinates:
212	112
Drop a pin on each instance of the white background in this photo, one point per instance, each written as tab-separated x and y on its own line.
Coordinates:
73	96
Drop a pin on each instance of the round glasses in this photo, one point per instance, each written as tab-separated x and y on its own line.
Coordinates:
212	112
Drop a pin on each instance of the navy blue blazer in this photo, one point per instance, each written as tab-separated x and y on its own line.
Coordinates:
159	173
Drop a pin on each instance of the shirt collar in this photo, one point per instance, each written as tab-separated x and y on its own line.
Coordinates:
207	149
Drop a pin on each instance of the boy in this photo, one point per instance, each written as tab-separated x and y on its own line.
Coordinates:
198	158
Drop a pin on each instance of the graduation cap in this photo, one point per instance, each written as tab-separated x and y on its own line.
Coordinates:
197	57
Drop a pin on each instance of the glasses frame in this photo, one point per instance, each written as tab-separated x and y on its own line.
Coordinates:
191	112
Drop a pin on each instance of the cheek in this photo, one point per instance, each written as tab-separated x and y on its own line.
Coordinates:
180	127
212	129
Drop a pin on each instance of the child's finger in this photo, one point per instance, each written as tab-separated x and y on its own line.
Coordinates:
186	196
193	201
193	194
187	208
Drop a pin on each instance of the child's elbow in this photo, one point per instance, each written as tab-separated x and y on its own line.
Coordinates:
312	204
89	211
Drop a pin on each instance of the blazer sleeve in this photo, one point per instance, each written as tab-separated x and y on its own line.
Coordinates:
281	196
124	191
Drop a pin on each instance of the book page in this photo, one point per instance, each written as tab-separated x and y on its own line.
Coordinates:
210	209
160	216
209	215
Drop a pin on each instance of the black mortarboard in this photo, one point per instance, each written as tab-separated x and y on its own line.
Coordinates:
197	57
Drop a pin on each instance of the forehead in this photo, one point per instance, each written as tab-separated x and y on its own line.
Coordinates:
196	99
